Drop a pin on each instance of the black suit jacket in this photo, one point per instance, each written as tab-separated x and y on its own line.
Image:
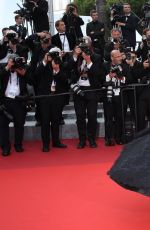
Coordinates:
73	25
94	73
129	30
45	77
5	76
98	36
57	42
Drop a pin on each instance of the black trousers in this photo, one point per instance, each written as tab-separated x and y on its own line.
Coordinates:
50	113
86	107
113	118
18	112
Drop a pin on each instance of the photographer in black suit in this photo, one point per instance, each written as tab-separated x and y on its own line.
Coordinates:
144	47
73	21
14	77
52	80
39	44
10	45
39	10
116	74
86	69
115	43
128	23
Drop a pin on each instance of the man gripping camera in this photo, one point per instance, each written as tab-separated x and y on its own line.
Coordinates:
86	67
14	77
115	75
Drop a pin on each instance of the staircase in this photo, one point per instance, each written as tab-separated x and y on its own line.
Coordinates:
67	131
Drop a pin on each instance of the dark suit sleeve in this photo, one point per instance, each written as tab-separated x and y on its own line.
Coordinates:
42	7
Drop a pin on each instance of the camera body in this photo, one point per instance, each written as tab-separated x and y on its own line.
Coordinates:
71	9
146	16
117	12
146	6
18	62
76	89
12	36
53	54
117	69
26	10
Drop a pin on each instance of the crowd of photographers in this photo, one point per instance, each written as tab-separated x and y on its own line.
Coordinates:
94	69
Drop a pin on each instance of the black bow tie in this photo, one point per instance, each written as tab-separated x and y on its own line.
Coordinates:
63	34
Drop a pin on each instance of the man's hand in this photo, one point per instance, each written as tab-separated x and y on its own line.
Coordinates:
120	24
9	65
21	71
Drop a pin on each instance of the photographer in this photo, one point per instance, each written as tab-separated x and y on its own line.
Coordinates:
10	45
128	24
39	44
86	67
96	31
73	22
51	79
144	47
116	43
38	10
115	76
13	78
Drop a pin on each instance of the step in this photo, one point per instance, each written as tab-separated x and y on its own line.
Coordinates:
67	131
68	112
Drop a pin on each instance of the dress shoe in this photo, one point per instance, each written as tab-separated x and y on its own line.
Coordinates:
19	149
92	144
119	142
81	145
109	142
59	145
6	151
45	149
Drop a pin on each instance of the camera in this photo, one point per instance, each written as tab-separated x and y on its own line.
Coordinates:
26	10
146	12
76	89
117	12
12	36
19	63
146	6
71	9
53	54
117	69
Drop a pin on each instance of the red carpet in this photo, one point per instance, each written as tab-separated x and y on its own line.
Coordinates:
67	190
